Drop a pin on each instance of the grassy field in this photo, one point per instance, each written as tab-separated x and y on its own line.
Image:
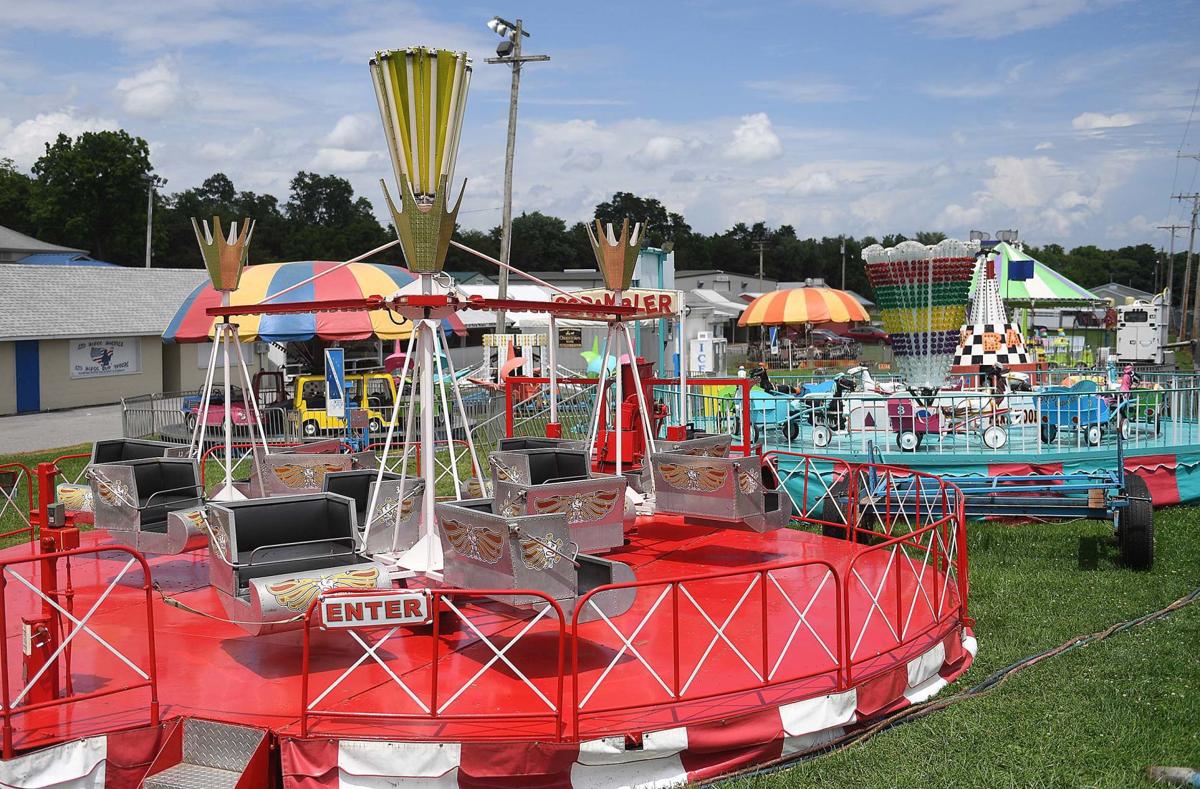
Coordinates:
1096	716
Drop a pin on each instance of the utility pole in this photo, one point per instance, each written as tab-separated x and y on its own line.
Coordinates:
760	245
509	53
843	262
1171	273
149	218
1187	271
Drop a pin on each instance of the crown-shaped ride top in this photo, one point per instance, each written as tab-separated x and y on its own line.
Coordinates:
422	96
224	257
615	256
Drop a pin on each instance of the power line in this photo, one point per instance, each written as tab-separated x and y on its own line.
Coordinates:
1187	269
1179	152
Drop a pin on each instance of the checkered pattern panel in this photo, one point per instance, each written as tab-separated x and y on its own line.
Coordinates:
991	343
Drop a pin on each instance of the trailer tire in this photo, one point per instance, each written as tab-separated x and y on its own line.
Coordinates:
311	428
821	436
1094	435
1135	526
835	512
832	511
908	441
1048	432
793	429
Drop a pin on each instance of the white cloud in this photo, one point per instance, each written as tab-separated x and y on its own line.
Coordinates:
340	160
955	218
754	140
257	142
982	18
1043	146
1088	121
803	90
661	149
151	92
969	90
356	132
24	142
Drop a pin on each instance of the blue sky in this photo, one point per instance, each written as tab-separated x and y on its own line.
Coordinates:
1058	117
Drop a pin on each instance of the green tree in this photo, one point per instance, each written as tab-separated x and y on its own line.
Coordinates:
217	196
541	243
327	222
480	241
661	225
90	192
16	190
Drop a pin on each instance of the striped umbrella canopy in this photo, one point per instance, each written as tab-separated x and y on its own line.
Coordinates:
1046	288
357	280
802	305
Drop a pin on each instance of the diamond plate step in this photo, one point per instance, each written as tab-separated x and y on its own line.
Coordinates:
223	746
193	776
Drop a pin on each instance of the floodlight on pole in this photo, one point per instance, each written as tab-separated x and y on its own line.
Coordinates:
509	53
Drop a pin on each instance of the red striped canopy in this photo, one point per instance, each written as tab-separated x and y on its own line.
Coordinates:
803	305
192	323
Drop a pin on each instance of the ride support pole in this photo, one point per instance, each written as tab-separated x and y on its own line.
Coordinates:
46	474
44	629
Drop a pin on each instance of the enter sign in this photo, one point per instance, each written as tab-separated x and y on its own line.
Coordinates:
375	610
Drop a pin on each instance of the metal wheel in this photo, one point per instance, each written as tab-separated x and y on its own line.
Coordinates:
1094	435
1126	428
1135	526
374	425
821	436
311	428
908	441
189	421
995	437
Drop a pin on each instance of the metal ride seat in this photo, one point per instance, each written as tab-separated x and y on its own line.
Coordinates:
153	504
289	471
484	549
728	491
560	481
698	445
513	443
269	558
117	450
396	526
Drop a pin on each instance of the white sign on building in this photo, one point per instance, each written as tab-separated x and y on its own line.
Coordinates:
108	356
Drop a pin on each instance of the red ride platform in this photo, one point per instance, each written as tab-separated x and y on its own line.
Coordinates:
739	646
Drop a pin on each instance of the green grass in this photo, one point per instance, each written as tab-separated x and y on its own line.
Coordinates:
1096	716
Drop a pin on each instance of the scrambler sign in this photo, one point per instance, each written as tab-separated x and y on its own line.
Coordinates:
375	610
653	302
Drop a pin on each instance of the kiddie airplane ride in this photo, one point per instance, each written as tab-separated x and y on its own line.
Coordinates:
395	615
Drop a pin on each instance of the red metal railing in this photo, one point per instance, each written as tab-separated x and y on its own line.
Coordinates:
756	656
513	382
794	630
11	500
432	706
49	592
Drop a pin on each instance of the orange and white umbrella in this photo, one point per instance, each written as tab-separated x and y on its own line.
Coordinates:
803	305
